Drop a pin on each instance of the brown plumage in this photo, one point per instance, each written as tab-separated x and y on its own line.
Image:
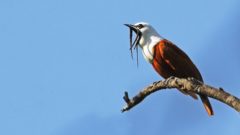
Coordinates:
169	60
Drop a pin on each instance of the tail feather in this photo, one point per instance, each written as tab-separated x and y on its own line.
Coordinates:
207	105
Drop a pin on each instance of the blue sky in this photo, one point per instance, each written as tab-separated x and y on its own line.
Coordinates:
66	63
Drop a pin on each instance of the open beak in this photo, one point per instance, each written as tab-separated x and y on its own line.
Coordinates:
138	33
132	27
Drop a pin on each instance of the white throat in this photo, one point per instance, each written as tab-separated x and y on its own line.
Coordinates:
149	39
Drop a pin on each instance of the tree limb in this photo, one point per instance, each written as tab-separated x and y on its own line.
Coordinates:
189	84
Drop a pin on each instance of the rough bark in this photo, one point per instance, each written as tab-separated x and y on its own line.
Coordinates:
189	84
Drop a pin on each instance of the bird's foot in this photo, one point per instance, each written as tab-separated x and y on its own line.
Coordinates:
169	79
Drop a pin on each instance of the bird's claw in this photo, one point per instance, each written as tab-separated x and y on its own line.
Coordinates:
168	79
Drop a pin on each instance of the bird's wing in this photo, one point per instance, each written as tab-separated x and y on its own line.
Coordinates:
179	61
169	60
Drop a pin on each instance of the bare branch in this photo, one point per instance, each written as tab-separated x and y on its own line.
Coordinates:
189	84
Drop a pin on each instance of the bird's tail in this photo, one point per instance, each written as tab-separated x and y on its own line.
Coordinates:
207	105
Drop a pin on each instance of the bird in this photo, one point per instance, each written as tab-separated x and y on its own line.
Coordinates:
166	58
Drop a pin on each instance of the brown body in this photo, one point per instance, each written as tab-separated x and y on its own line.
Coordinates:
169	60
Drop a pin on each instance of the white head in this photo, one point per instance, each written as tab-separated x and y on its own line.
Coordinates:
149	34
146	36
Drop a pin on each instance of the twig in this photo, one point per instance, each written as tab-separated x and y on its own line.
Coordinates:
189	84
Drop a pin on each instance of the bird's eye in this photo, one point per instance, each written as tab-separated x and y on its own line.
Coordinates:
140	26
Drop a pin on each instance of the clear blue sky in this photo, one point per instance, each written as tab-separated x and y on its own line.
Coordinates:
64	65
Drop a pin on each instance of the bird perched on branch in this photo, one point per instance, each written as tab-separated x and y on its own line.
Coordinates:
166	58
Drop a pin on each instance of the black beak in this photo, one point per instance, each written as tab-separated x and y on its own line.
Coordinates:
138	35
132	27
